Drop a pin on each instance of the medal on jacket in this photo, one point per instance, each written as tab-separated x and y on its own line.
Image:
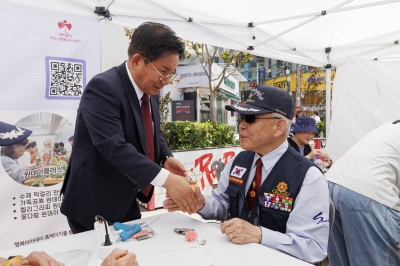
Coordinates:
253	192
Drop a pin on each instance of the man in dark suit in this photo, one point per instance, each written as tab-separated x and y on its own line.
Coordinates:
117	152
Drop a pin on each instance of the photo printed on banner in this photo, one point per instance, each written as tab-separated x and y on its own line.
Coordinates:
42	159
65	78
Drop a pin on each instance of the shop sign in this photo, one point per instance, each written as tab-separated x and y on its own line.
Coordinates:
191	76
183	110
229	83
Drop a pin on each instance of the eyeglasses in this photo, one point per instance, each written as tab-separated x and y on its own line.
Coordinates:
252	118
163	77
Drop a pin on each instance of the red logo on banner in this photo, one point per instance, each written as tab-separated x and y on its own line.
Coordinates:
253	84
64	25
204	164
64	35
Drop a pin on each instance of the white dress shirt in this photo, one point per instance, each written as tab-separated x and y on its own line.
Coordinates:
307	230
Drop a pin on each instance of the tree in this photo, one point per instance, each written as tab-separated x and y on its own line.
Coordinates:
207	55
309	88
164	108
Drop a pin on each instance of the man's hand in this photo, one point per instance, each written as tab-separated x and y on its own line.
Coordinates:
120	257
239	231
37	259
175	166
171	206
179	189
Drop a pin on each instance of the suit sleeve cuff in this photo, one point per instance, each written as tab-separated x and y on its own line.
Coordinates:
269	238
160	179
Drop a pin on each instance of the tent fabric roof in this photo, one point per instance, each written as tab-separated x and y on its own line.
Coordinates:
290	30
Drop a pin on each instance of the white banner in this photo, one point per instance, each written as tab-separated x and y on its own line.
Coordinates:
191	76
194	76
47	58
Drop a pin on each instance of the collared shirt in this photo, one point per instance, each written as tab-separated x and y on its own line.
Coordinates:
162	176
307	229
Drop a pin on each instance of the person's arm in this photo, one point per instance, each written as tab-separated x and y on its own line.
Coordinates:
307	229
216	205
315	152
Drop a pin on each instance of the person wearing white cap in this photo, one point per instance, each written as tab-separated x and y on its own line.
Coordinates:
13	141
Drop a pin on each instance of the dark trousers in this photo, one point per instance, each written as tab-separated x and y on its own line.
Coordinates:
77	228
133	214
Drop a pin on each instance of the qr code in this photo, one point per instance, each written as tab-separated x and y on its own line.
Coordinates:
65	78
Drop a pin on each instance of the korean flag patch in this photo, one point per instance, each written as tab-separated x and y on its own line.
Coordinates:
238	171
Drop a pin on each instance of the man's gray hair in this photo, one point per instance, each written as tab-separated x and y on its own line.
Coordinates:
288	123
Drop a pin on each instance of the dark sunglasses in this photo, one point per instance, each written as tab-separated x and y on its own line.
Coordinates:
252	118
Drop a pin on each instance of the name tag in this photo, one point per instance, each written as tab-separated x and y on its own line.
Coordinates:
235	180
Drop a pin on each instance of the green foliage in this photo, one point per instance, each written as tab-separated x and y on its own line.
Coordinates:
321	126
164	108
184	135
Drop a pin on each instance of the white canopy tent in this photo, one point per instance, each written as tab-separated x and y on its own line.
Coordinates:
310	32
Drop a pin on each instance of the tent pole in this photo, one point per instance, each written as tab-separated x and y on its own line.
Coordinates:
107	7
189	19
328	74
328	12
101	45
291	48
303	23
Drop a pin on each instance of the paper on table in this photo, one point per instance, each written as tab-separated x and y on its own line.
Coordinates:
74	257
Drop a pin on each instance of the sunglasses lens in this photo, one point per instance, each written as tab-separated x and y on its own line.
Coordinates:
248	118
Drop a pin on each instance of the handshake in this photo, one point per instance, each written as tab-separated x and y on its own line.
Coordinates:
182	193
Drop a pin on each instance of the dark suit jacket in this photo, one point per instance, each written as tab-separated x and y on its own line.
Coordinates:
108	164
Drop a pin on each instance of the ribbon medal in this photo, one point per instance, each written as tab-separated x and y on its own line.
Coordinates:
279	198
